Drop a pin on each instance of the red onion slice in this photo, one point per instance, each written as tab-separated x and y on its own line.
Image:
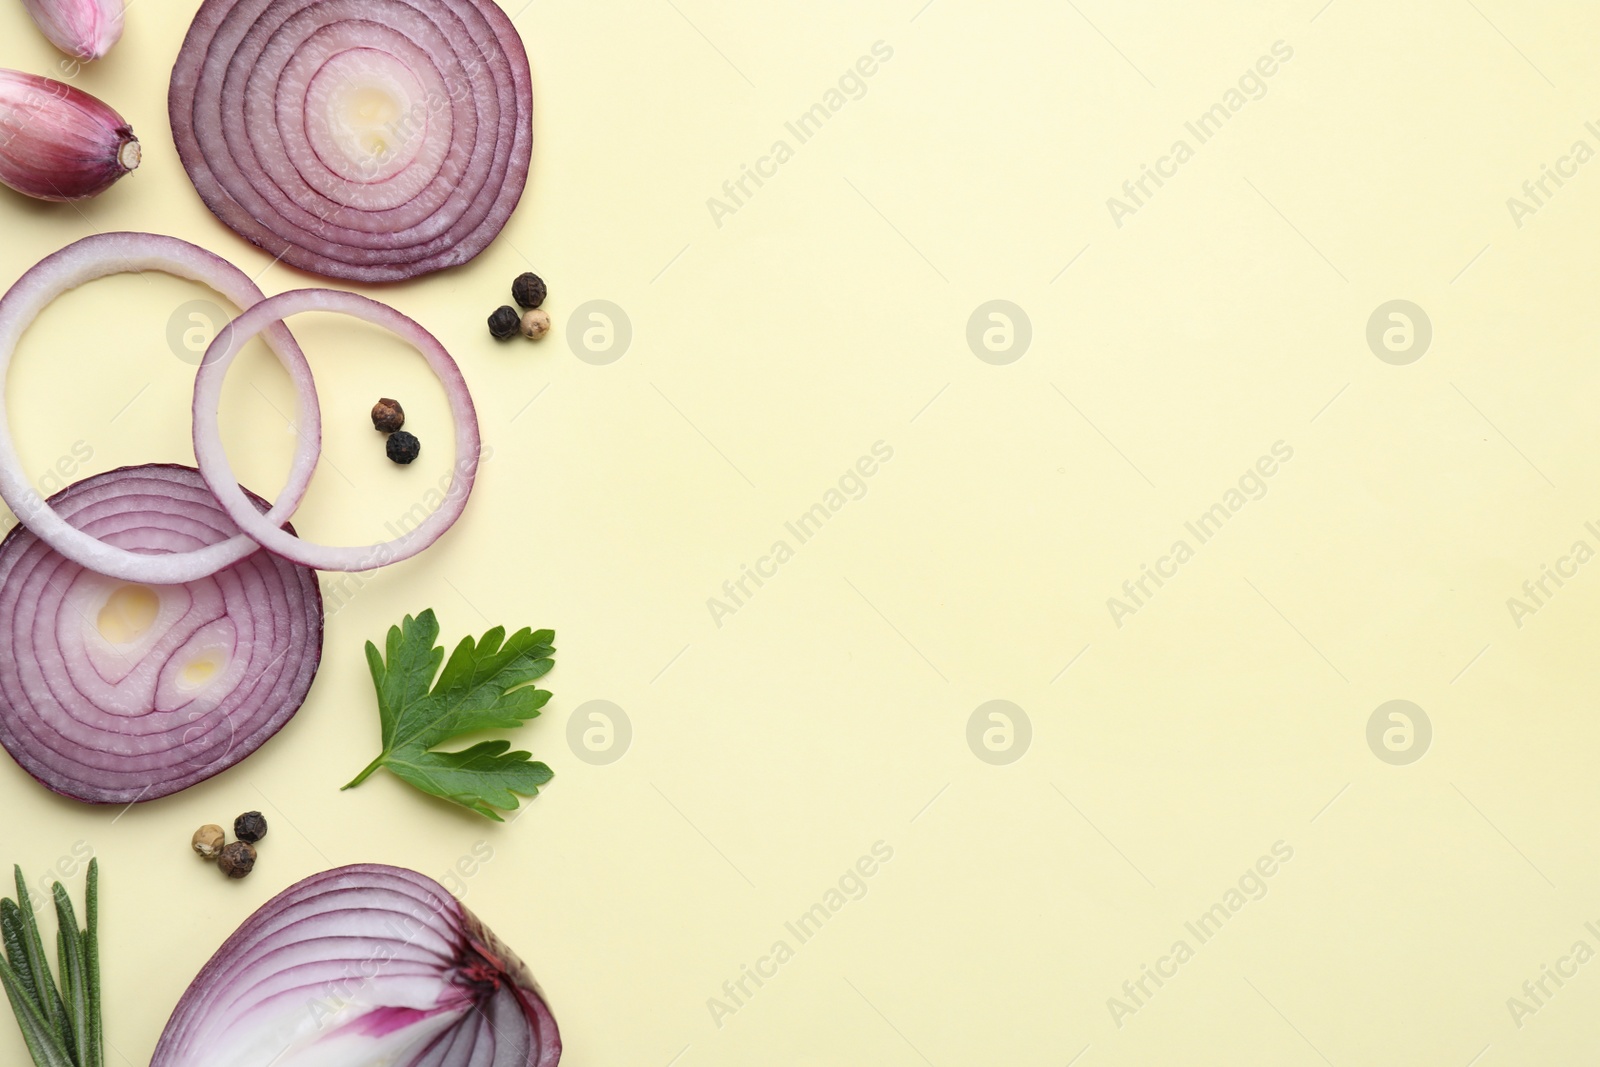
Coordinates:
115	253
365	964
219	473
371	140
112	693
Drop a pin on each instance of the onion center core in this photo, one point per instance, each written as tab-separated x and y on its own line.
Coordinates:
365	114
197	672
128	612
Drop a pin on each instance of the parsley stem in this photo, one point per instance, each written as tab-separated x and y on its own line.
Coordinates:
364	775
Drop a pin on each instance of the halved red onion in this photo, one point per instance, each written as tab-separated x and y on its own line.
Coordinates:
372	140
219	473
362	965
111	692
115	253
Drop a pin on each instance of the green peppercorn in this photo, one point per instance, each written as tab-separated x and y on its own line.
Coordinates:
403	447
250	827
528	290
238	859
504	323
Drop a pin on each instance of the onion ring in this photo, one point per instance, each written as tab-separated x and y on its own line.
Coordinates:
115	253
218	472
113	693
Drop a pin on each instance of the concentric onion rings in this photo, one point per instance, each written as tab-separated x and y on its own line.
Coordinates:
370	140
365	964
190	679
218	472
115	253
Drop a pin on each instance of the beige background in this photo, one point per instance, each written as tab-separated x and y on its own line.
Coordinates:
830	712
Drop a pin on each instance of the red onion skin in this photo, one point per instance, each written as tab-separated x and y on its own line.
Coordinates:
59	143
99	776
366	916
83	29
529	995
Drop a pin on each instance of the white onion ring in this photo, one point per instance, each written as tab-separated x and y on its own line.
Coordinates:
417	167
115	253
217	668
364	964
218	472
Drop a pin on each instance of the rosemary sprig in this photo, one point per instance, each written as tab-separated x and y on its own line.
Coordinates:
91	954
60	1024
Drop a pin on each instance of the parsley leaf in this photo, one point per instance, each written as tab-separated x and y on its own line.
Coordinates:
484	686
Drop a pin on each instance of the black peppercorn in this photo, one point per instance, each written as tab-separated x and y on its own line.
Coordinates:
387	416
403	447
238	859
528	290
504	323
250	827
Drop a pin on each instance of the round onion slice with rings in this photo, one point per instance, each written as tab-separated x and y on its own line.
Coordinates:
370	140
116	253
218	473
112	692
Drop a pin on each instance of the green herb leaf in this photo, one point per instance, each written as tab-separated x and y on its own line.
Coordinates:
16	942
44	1044
62	967
482	778
60	1027
96	1053
51	1010
484	686
74	979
